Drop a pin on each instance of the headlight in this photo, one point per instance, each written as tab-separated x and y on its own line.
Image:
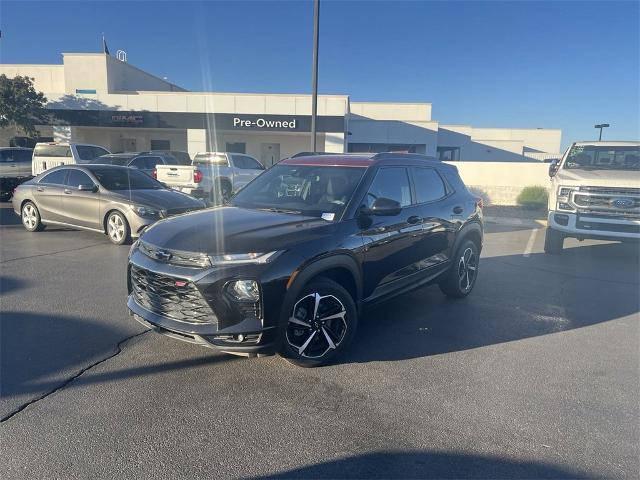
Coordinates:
244	290
144	211
243	258
564	192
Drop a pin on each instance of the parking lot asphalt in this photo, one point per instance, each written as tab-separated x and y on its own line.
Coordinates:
534	375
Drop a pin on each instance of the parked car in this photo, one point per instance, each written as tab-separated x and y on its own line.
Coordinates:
214	176
15	168
143	161
595	193
298	254
183	157
118	201
53	154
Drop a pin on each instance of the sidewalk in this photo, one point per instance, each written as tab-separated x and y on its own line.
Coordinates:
515	216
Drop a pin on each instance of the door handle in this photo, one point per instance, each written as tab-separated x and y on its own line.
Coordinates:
39	189
458	210
67	191
413	219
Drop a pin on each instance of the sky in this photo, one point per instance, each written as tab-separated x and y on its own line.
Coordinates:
548	64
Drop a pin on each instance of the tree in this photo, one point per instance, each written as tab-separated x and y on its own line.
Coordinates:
21	105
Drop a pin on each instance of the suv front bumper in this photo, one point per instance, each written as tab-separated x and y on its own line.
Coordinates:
593	226
212	320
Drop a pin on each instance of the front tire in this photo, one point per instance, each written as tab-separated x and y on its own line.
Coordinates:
118	229
321	324
553	241
31	217
461	277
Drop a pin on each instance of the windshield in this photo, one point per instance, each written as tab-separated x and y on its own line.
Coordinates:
593	157
309	190
125	179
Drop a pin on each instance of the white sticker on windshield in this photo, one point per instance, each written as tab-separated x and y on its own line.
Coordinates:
328	216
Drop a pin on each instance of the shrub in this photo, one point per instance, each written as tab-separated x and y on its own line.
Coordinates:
533	197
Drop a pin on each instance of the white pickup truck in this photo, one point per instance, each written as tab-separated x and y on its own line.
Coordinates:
595	193
213	176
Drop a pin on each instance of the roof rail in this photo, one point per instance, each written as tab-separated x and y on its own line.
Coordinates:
417	156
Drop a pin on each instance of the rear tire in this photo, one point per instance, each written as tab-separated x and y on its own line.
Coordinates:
31	217
553	241
461	277
118	229
321	325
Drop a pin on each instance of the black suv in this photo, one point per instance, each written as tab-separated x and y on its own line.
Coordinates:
290	263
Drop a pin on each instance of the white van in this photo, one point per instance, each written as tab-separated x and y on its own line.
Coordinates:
49	155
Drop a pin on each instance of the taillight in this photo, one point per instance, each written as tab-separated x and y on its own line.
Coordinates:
197	176
154	174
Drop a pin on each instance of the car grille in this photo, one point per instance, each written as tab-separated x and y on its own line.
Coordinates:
174	257
170	297
623	202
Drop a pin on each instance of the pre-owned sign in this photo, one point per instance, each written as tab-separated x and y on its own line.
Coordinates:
264	123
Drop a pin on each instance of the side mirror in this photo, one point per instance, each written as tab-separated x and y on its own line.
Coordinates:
383	207
553	168
89	187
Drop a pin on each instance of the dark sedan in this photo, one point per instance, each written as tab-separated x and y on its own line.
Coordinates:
118	201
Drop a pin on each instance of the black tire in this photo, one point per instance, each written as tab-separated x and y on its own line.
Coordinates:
461	277
553	241
117	228
220	193
314	342
30	216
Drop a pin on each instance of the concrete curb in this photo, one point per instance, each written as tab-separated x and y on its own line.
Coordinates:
515	222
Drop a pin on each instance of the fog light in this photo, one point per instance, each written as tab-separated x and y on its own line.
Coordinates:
245	290
561	219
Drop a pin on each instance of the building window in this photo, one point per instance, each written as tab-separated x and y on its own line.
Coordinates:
449	154
160	145
236	147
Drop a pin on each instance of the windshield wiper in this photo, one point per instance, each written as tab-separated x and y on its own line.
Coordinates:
281	210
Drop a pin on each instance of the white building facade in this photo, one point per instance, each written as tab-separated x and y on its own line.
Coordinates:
96	98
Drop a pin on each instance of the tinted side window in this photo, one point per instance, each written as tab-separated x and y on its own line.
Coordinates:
78	177
170	160
252	163
52	151
23	155
89	152
239	161
429	185
393	183
6	155
55	178
146	163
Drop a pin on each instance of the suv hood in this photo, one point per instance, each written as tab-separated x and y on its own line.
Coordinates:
160	199
599	178
235	230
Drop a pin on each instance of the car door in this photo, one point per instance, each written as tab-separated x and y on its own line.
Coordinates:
246	168
48	194
390	242
435	207
81	207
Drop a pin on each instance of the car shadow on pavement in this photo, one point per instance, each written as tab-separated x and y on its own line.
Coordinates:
7	215
515	298
425	464
11	284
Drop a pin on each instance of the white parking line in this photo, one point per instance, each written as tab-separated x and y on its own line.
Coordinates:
532	239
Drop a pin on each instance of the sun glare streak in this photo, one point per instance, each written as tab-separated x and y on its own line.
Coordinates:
216	226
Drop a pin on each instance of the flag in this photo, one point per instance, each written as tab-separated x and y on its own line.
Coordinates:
105	49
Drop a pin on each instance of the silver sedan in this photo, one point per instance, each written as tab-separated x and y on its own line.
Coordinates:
118	201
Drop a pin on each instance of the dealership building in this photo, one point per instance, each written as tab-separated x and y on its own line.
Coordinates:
97	98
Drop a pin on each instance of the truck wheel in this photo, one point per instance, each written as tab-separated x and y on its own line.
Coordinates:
321	324
553	241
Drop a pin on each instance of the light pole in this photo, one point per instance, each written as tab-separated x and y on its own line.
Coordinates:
601	126
314	74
